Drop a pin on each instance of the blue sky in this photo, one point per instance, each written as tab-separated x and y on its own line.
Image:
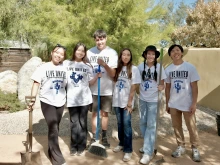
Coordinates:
188	2
177	2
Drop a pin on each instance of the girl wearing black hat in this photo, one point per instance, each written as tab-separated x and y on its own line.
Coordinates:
149	87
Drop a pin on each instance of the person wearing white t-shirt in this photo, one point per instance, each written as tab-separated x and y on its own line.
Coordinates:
50	77
79	97
127	78
148	101
107	58
181	98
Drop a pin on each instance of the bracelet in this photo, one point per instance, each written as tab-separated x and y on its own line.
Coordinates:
129	106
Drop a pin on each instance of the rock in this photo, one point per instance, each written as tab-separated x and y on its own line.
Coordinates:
24	79
8	81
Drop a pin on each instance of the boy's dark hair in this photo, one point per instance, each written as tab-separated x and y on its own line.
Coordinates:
100	34
173	46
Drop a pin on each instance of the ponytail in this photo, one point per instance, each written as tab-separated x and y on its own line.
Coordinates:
144	72
155	71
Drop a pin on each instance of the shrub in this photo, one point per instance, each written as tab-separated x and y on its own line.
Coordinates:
10	102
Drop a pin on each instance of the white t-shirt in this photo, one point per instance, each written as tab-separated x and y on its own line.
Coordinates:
123	85
149	87
110	57
180	77
52	79
78	76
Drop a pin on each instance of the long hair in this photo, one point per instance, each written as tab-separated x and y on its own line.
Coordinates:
155	71
121	64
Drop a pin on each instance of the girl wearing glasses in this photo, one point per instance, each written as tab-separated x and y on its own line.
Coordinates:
149	87
51	78
79	97
127	78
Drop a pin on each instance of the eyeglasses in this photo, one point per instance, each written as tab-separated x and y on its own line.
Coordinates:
60	46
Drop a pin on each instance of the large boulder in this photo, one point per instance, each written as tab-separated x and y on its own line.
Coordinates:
24	78
8	81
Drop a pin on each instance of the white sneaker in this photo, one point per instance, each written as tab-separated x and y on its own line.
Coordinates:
178	152
127	157
145	159
141	150
196	155
118	149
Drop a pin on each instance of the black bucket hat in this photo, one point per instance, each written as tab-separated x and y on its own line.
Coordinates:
152	48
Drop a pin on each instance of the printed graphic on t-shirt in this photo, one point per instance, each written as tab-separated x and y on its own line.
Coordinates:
56	85
55	74
94	59
178	85
96	70
147	84
75	75
178	77
121	82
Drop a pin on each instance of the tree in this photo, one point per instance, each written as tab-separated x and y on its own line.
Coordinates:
173	17
44	23
203	26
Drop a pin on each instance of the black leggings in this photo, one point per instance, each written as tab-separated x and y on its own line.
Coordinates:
53	117
78	124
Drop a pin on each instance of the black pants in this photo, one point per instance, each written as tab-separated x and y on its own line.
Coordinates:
78	124
53	117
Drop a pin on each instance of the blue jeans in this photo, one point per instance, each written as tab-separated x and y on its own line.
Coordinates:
124	129
148	115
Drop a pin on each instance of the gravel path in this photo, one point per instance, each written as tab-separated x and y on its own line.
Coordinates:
17	123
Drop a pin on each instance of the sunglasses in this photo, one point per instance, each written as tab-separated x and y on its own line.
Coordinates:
60	46
148	74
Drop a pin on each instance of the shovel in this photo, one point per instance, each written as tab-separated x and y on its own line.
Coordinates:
29	157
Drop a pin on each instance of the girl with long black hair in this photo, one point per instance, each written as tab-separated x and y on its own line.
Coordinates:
127	78
149	88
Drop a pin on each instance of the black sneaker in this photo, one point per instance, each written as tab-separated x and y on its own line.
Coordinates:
105	142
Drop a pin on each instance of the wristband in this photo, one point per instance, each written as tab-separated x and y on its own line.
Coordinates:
129	106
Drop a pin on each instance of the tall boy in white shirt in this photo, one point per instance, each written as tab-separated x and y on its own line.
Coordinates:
107	58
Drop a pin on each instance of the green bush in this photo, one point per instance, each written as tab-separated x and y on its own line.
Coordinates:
10	102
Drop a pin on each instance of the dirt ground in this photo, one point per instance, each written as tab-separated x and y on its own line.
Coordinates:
11	146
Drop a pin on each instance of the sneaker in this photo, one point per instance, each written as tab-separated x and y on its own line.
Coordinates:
127	157
141	150
73	153
178	152
105	142
145	159
118	149
79	153
196	155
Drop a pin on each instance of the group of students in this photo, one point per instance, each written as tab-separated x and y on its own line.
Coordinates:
74	82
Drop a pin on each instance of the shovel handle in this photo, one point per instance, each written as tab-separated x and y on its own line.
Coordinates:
30	100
